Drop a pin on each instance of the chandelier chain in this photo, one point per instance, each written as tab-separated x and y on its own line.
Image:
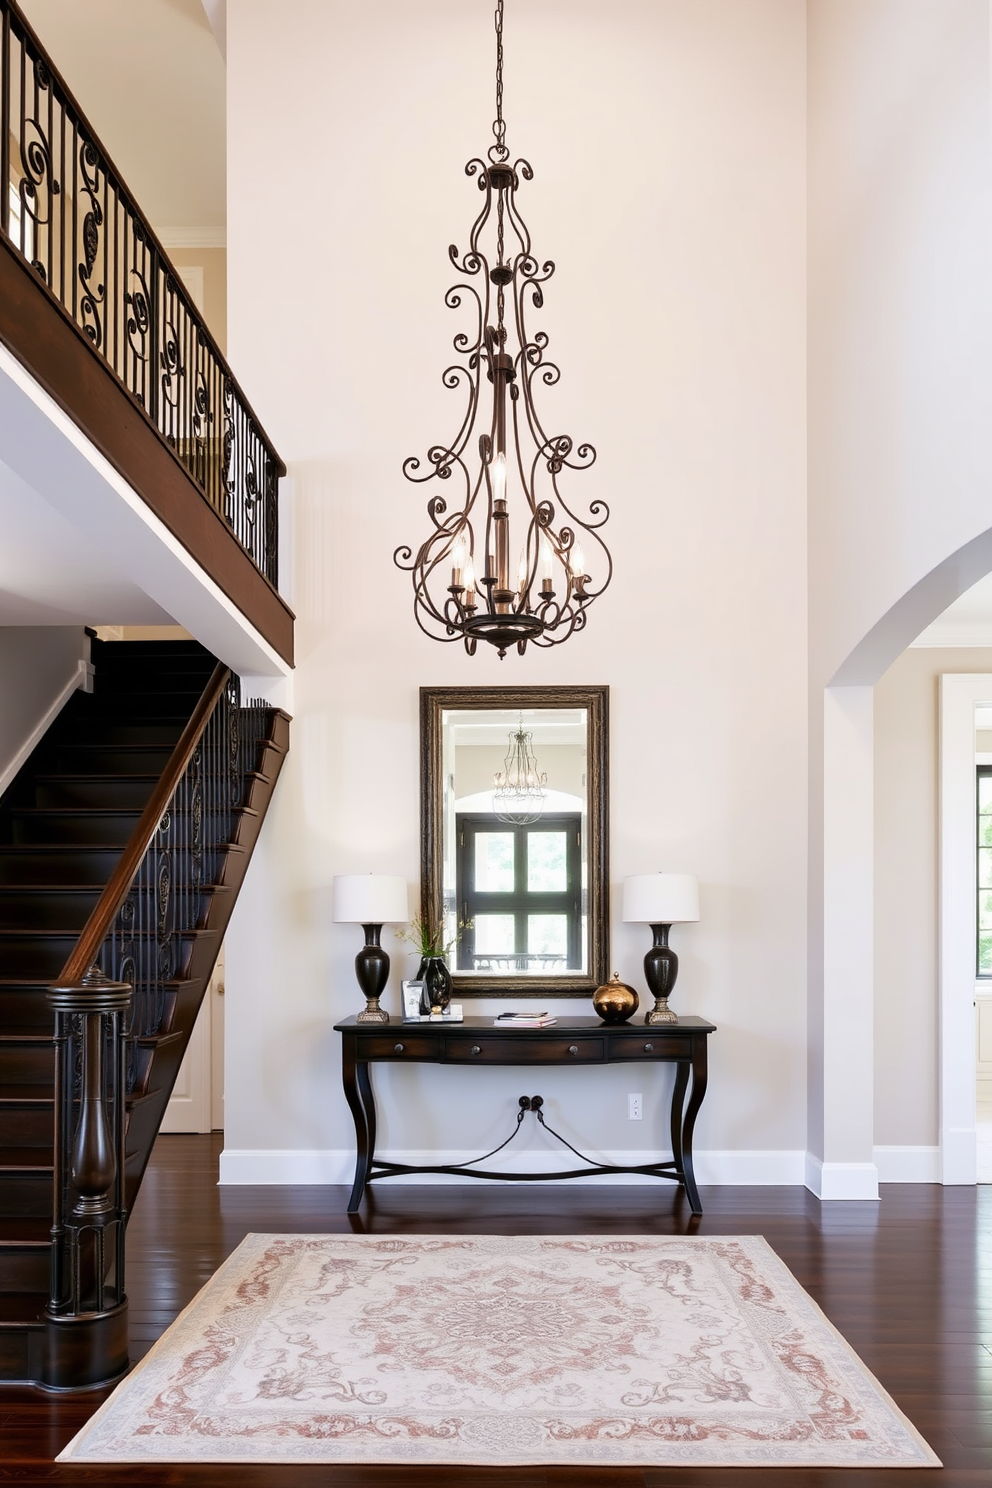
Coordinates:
499	125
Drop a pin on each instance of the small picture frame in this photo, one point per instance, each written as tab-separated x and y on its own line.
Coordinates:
411	1001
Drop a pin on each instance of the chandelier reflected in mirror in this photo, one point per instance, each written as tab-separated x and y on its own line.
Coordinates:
519	788
504	561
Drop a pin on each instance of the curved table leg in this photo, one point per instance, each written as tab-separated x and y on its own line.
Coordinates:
678	1104
351	1079
368	1101
692	1111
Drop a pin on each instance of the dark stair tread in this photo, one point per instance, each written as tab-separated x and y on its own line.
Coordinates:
22	1309
24	1095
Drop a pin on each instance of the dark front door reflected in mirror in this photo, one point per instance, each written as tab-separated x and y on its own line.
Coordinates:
519	892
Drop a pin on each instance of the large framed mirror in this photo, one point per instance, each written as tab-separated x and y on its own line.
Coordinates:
515	830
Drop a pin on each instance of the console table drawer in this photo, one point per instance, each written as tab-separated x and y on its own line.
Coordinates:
521	1049
651	1045
400	1046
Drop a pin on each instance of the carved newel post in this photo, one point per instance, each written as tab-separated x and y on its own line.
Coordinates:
87	1309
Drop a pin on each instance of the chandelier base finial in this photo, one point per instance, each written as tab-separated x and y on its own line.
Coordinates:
503	631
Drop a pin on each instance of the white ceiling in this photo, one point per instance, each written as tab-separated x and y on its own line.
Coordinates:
150	77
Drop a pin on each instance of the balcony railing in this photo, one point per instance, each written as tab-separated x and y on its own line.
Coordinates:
66	211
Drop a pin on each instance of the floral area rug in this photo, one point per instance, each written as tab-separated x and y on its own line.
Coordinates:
503	1351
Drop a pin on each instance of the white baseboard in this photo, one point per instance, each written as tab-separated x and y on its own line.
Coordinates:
337	1165
959	1155
82	677
907	1164
833	1180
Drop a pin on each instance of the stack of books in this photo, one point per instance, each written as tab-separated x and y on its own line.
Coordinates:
524	1020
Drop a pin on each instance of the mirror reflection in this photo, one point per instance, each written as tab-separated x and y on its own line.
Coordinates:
516	868
514	820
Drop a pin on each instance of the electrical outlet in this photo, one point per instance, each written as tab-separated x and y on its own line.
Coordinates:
635	1107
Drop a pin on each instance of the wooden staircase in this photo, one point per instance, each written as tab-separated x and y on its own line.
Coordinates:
67	823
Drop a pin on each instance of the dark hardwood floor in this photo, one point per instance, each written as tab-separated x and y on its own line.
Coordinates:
907	1281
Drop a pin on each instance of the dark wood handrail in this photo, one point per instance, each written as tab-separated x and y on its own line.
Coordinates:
97	927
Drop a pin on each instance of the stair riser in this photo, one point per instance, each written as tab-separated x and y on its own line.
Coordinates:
88	829
27	1126
119	795
51	909
26	1010
44	957
20	1353
94	759
25	1270
26	1195
125	705
91	867
163	734
27	1064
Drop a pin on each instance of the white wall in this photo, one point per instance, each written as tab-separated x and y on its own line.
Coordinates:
41	666
900	465
668	141
906	898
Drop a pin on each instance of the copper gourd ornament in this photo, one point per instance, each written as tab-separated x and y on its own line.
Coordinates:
615	1002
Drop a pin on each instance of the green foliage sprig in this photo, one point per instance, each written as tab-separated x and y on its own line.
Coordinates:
428	938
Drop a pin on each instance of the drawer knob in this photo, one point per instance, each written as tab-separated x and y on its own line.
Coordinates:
476	1049
573	1048
397	1048
649	1048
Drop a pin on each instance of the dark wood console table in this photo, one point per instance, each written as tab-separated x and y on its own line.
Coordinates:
584	1041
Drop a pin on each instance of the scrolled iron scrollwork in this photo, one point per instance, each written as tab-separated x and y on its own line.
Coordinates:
92	297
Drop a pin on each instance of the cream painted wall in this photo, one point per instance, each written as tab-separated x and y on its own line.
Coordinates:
213	262
900	317
669	146
900	466
40	668
906	890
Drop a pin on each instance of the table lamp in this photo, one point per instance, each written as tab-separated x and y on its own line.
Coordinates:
660	900
370	900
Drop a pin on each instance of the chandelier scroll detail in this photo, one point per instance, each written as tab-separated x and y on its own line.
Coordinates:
504	560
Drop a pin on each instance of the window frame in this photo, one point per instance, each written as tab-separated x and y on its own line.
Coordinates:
981	771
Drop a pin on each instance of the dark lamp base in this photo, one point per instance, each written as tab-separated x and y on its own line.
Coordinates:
661	967
372	971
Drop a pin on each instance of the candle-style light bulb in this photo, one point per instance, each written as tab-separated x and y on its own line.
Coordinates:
497	476
522	572
547	561
468	579
576	561
457	562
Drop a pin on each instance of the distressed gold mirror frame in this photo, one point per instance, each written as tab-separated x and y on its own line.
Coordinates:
434	703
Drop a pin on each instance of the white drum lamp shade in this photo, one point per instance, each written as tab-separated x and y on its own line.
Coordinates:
369	899
660	898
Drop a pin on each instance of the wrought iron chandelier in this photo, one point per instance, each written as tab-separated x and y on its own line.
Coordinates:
508	507
518	789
